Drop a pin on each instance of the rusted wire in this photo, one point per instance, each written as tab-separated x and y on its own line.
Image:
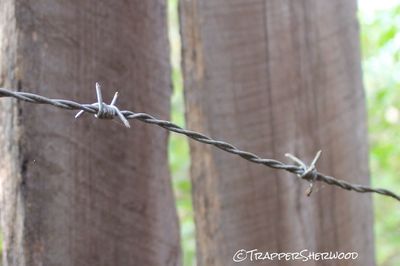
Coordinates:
102	110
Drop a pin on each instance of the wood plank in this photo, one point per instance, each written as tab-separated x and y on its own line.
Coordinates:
271	77
85	192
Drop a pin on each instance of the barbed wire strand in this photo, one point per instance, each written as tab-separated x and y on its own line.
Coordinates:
105	111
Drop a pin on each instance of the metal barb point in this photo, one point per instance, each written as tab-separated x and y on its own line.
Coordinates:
309	172
106	111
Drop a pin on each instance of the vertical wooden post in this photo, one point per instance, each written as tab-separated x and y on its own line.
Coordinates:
85	192
272	77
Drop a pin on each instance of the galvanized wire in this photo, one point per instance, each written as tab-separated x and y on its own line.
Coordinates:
102	110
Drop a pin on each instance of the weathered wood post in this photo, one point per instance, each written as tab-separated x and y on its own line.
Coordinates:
273	77
85	192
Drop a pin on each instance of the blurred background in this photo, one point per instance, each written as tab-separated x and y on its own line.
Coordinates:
380	41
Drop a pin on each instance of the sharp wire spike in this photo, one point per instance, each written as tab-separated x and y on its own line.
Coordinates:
79	113
111	111
307	170
122	117
114	99
105	110
296	160
316	158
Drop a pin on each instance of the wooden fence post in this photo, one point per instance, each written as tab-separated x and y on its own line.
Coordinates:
85	192
271	77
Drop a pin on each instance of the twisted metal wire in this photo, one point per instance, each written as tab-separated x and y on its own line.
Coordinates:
308	173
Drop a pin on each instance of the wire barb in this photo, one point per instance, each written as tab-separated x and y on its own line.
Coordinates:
310	172
102	110
106	111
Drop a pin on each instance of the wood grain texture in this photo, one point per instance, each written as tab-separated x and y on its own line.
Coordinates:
85	192
271	77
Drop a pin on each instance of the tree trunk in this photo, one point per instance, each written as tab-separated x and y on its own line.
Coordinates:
85	192
272	77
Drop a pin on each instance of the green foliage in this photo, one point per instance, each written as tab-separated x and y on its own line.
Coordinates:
380	37
179	159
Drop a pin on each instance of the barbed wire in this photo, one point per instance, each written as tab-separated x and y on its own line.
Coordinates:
102	110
